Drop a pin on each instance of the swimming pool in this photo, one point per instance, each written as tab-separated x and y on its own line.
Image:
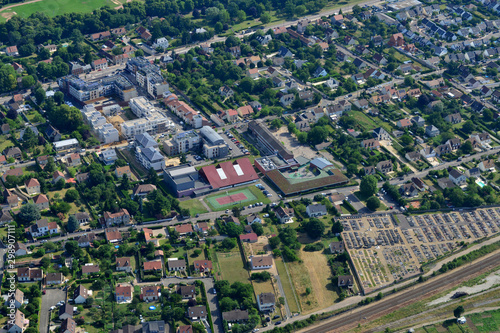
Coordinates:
480	183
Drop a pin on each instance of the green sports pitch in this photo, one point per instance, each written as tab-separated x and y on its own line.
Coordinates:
243	196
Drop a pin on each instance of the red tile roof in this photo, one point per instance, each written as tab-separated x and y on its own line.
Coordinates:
229	173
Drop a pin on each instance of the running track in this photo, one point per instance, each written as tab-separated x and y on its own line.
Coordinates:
377	309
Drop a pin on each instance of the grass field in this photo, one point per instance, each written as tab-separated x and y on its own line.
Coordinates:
486	322
232	267
194	206
57	7
252	193
287	285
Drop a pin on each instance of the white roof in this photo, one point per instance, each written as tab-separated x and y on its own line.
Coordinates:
221	173
65	143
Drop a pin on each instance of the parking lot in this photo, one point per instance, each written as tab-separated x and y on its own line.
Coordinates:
235	147
51	298
385	249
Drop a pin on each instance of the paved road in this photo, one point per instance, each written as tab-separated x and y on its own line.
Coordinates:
51	298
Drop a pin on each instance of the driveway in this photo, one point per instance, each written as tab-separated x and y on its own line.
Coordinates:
51	298
211	298
358	205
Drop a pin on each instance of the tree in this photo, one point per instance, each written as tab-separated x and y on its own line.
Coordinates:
368	185
45	262
265	17
467	147
373	203
229	243
29	213
236	211
315	228
125	182
28	81
29	138
317	135
276	123
459	311
468	127
258	229
72	224
40	95
337	227
71	195
139	53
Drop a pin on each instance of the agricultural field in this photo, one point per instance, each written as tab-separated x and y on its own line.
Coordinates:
287	285
56	7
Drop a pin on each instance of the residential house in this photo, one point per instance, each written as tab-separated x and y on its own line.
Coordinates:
249	237
16	299
345	281
412	156
431	131
457	177
454	143
287	99
187	292
81	294
473	172
370	170
396	40
113	235
225	91
20	249
175	264
487	165
86	239
184	229
454	118
284	215
12	51
53	278
125	170
370	144
123	293
408	190
266	302
261	262
316	210
142	190
90	268
380	59
337	247
32	186
443	149
403	123
150	293
153	266
58	175
18	324
198	312
419	121
13	152
381	134
202	266
65	311
123	264
235	316
120	217
385	166
445	183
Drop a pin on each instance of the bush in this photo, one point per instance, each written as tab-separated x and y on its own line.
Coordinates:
314	247
261	276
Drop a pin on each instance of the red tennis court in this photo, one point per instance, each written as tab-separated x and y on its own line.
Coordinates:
231	198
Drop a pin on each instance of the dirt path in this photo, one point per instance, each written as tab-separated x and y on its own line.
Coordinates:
394	152
18	4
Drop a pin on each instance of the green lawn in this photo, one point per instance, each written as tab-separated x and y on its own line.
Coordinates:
5	143
57	7
232	267
194	205
487	321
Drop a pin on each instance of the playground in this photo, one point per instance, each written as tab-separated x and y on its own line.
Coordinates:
241	197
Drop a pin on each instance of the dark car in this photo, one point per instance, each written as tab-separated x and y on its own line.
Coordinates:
276	317
268	319
277	323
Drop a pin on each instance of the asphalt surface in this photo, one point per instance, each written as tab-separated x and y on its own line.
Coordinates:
211	298
51	298
380	308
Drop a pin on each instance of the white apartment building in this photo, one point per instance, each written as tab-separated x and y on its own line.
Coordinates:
161	42
141	107
108	133
182	143
153	123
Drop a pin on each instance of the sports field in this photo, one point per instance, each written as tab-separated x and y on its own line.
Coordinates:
240	197
57	7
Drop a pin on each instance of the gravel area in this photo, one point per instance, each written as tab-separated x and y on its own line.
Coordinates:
488	282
